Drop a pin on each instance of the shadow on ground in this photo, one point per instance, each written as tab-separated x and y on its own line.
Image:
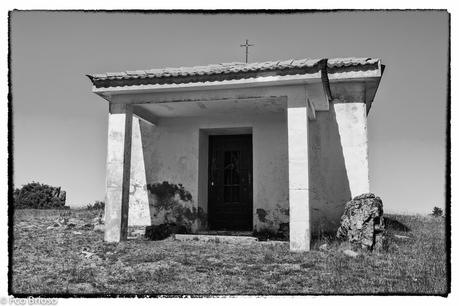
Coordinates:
394	225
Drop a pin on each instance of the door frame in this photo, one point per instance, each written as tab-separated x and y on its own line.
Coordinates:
210	207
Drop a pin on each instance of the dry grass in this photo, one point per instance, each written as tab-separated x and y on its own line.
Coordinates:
51	262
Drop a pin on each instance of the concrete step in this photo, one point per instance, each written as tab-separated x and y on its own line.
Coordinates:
215	238
225	233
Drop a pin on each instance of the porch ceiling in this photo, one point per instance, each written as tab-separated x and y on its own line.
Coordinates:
255	106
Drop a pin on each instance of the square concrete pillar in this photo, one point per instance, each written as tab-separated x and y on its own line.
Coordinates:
118	172
351	118
350	106
298	167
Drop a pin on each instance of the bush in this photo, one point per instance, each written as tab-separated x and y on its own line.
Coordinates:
162	231
39	196
437	212
268	234
98	205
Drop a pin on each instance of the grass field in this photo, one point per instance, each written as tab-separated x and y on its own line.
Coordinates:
52	262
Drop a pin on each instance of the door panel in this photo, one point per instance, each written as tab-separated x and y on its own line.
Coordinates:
230	185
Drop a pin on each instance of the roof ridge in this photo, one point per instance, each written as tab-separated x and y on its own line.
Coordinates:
233	67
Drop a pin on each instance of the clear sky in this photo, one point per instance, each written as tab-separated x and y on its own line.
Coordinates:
60	127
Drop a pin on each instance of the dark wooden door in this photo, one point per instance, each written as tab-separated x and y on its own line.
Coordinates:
230	182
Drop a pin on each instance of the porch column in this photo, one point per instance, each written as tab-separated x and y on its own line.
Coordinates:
351	117
118	172
298	167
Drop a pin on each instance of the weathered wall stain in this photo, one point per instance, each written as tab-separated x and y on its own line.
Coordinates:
261	214
166	193
273	224
173	204
284	211
272	221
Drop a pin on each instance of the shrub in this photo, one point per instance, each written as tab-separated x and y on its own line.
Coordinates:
162	231
437	212
98	205
39	196
266	234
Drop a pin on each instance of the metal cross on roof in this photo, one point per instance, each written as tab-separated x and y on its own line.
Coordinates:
246	45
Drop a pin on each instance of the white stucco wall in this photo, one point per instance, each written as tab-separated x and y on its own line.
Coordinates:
270	172
170	152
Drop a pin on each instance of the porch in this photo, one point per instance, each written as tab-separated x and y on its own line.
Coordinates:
309	156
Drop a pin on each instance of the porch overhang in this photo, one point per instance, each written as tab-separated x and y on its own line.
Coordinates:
223	91
319	77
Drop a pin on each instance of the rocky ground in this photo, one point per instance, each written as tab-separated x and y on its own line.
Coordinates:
52	256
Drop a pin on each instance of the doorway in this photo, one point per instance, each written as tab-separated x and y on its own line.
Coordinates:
230	195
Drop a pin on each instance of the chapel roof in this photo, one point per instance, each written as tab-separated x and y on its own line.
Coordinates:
227	71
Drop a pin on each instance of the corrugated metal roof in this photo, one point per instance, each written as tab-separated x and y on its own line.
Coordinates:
225	70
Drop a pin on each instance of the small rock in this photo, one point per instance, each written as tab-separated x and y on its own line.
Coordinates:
99	219
323	247
62	220
401	237
87	226
134	237
350	253
77	223
99	228
81	287
76	233
307	265
202	269
73	221
87	254
55	225
138	232
292	266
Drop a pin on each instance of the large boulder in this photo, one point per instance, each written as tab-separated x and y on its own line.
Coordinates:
362	223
